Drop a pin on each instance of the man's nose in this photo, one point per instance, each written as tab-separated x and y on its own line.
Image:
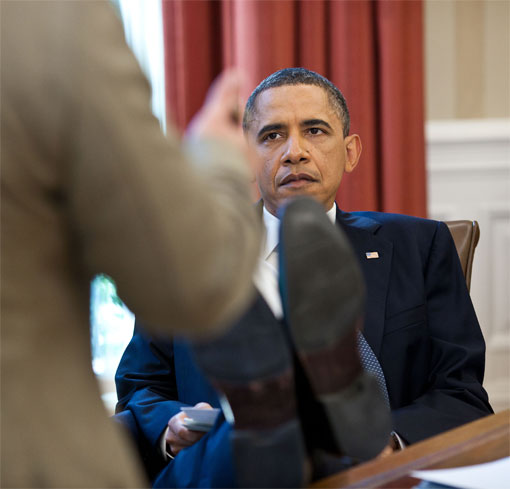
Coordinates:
295	151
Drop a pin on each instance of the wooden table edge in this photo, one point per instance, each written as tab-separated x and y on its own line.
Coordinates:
422	455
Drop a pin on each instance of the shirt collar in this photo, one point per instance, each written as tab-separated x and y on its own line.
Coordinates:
272	225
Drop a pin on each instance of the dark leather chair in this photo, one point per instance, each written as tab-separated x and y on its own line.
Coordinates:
465	235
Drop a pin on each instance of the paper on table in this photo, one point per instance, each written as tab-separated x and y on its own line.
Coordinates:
491	475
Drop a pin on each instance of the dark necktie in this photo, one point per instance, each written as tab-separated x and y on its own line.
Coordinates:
371	364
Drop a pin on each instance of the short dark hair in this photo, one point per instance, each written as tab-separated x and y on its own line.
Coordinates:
300	76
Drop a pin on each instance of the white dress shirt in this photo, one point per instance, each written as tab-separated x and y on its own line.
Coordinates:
265	276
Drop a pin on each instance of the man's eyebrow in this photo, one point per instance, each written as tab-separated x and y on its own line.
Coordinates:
315	122
270	128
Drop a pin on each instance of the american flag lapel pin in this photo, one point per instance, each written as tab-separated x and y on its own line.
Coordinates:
371	255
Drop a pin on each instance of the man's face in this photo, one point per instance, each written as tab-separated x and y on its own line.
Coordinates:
298	140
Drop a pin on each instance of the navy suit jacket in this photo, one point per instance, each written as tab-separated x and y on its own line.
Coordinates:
419	321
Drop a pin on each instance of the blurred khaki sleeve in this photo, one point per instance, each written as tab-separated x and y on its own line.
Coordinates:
89	184
178	235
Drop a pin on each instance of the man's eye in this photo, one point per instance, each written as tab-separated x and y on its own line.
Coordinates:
315	130
271	136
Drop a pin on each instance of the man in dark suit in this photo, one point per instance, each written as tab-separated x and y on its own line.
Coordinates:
419	320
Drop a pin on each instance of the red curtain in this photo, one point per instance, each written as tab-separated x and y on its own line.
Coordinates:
372	50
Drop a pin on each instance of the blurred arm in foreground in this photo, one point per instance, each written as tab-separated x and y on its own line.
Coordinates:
89	184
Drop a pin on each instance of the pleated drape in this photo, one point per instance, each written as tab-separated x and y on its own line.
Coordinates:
372	50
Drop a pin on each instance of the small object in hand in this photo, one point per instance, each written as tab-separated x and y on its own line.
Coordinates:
200	419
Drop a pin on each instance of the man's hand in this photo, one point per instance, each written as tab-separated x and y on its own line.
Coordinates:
392	446
178	436
387	450
220	116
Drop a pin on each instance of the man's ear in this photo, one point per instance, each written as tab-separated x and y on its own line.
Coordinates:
352	152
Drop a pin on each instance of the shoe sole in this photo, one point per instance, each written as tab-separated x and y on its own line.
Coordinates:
324	334
251	365
269	458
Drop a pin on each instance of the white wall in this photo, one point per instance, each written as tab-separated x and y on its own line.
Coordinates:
468	167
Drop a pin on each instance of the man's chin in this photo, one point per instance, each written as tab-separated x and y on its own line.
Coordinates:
289	196
289	192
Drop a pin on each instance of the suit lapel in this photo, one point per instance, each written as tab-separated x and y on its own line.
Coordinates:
361	233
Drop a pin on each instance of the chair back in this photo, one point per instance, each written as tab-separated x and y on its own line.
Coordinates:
465	235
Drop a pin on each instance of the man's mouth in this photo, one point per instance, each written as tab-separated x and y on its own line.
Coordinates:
296	179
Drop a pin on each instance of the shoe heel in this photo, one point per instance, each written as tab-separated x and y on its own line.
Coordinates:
270	458
359	418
